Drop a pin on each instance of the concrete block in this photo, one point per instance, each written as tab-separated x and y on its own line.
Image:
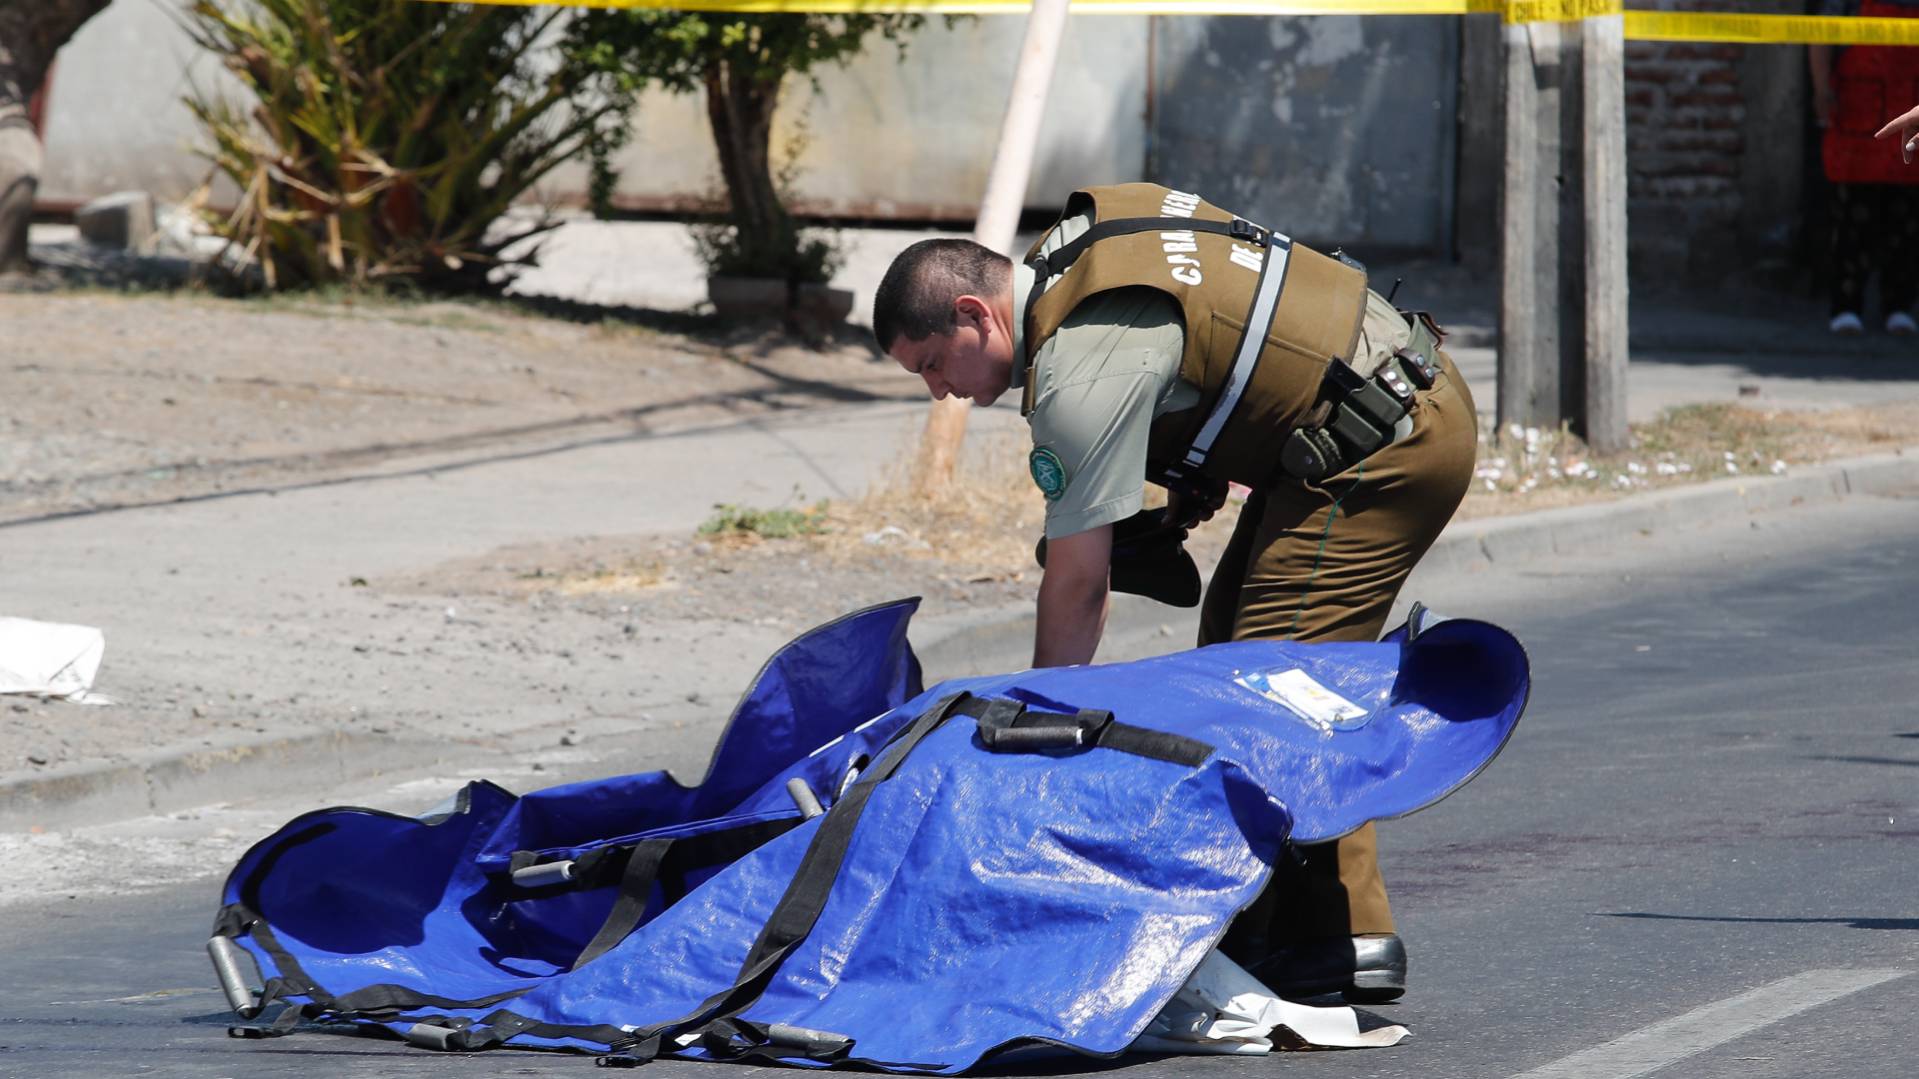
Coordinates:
123	219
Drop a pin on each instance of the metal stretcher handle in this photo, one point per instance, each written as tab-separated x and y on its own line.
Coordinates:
539	876
226	966
804	798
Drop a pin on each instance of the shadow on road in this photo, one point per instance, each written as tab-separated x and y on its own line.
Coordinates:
1854	923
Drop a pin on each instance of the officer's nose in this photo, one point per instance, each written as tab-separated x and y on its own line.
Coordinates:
936	386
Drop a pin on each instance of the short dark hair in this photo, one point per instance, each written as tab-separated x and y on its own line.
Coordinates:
915	298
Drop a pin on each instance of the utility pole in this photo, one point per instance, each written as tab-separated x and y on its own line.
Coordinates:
1000	207
1562	309
1602	42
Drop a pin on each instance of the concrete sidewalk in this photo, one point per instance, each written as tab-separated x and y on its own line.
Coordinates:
244	612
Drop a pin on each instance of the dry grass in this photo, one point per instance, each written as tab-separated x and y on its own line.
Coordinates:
983	524
1528	469
636	577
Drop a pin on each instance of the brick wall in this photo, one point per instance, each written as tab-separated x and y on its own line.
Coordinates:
1703	158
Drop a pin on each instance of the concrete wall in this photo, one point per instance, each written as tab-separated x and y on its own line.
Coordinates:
914	139
1336	129
114	119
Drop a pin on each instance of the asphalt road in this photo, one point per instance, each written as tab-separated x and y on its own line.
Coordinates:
1699	857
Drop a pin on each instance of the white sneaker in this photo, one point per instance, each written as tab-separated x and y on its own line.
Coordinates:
1846	323
1900	324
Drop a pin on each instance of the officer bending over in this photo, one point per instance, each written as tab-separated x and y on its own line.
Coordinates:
1122	331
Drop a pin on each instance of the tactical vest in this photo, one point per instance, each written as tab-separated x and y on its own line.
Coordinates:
1227	274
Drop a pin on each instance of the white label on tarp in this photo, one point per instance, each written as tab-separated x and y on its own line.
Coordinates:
1302	694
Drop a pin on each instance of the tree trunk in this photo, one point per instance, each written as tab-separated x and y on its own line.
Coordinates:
31	31
740	110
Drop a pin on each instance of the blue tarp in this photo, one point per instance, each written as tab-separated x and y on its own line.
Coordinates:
1032	858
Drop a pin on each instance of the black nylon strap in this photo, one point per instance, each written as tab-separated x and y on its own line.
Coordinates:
368	1001
799	908
1156	745
739	1039
636	890
391	999
1066	254
283	1024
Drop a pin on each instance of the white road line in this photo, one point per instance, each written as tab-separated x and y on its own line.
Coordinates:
1651	1048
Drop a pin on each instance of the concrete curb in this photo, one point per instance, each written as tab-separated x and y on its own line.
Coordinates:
170	782
1574	529
996	640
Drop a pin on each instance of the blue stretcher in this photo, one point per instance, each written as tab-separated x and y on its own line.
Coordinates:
871	872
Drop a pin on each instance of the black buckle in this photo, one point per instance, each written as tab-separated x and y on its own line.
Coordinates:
1242	229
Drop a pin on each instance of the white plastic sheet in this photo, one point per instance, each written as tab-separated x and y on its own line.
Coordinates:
50	659
1223	1009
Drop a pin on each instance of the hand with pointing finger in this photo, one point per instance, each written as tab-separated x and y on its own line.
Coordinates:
1907	128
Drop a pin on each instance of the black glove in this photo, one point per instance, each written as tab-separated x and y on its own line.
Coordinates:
1149	559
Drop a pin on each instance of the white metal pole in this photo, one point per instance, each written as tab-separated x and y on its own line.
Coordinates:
1018	135
1000	207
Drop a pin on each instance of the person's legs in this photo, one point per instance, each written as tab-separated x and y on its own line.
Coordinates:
1895	240
1220	608
1325	563
1851	245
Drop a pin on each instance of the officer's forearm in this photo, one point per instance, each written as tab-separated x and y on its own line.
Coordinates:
1072	598
1072	616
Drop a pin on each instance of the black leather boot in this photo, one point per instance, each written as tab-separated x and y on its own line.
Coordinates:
1369	969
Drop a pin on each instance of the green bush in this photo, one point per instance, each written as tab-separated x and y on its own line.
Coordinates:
389	136
729	519
741	62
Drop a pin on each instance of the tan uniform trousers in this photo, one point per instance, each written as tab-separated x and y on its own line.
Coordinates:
1324	562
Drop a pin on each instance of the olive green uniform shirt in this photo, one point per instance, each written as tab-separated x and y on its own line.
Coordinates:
1102	378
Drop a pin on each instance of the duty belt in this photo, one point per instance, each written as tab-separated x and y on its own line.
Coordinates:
1357	416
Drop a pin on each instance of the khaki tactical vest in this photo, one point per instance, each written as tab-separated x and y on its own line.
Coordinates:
1226	274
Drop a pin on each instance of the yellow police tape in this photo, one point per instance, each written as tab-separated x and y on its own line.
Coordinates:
1639	25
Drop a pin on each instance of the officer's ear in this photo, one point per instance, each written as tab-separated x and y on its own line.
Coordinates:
970	310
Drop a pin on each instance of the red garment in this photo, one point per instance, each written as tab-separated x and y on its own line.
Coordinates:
37	106
1871	84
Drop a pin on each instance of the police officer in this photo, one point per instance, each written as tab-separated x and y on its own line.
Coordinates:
1125	330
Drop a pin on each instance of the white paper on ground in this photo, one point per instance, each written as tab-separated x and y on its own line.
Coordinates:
1223	1009
50	659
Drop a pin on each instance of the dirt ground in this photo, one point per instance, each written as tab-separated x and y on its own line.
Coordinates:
127	399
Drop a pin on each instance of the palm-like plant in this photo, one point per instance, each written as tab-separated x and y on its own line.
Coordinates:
389	136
